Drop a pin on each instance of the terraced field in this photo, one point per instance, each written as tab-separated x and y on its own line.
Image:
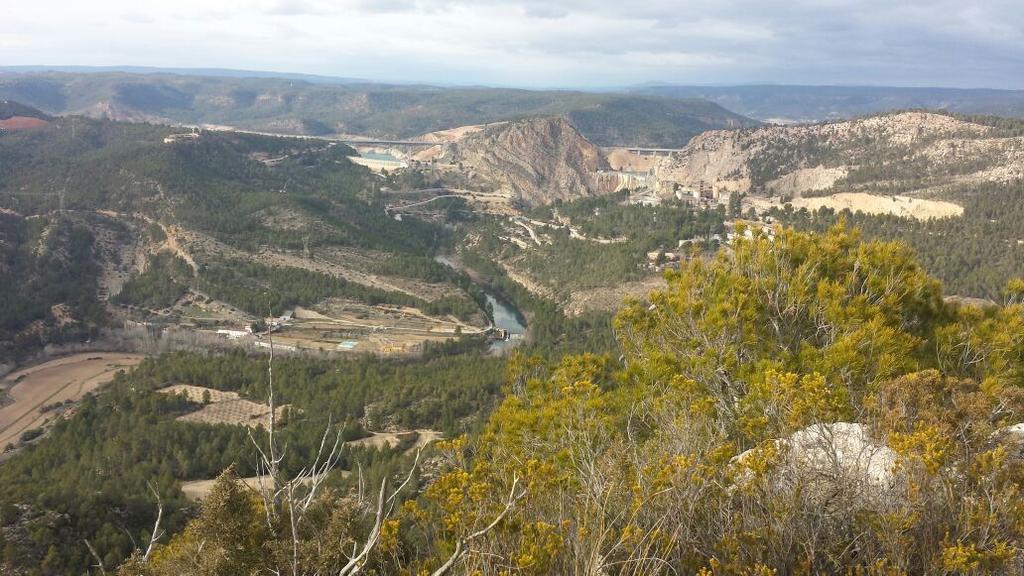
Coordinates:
221	407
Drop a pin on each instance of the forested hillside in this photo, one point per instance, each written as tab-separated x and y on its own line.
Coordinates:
49	283
292	106
10	109
90	477
807	404
52	498
94	207
564	264
974	254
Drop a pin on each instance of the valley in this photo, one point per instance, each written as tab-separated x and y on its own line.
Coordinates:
454	288
511	288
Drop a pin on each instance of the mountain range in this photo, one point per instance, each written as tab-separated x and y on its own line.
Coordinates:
294	106
791	104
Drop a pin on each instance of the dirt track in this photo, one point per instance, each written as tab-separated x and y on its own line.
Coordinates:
68	378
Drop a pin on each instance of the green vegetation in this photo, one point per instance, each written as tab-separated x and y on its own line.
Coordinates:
672	450
45	262
295	106
9	109
216	184
165	279
568	263
669	439
973	255
95	467
797	405
551	332
611	216
244	190
270	290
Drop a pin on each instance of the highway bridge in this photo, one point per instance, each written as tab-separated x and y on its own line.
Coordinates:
652	151
349	141
359	142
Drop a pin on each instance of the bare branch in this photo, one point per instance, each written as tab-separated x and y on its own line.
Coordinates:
99	561
157	532
385	508
462	546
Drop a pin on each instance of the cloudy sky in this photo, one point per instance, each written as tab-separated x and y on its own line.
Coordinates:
965	43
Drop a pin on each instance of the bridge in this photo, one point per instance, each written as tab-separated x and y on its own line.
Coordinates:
360	142
349	141
652	151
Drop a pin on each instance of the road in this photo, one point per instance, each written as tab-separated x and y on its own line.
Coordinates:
349	141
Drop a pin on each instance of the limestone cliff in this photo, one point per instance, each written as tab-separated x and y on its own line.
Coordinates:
537	160
915	153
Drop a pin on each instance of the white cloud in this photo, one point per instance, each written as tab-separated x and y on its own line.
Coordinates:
15	41
539	42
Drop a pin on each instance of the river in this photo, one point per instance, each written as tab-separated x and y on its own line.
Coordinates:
506	317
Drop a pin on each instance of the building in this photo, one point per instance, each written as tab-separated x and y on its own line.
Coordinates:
184	137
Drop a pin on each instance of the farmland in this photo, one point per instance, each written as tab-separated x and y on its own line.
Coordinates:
33	394
221	407
344	325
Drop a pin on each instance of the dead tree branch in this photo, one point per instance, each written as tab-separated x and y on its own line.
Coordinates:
99	561
462	547
385	509
157	532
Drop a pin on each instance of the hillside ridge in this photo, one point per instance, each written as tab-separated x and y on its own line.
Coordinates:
918	154
299	107
539	160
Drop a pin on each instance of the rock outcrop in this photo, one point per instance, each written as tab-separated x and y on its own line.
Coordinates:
916	152
823	460
538	160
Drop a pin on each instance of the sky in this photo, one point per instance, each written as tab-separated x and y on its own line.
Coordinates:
539	43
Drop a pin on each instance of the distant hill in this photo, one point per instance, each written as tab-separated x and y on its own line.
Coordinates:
10	109
224	72
15	116
814	103
293	106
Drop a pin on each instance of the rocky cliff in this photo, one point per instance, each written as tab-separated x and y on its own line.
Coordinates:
915	153
538	160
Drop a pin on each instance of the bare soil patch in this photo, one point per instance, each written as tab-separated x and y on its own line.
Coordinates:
21	123
610	298
30	390
870	204
222	408
625	161
414	439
